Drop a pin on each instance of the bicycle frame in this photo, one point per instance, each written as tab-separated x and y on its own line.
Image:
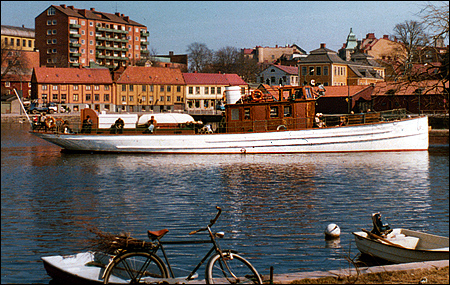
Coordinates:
215	248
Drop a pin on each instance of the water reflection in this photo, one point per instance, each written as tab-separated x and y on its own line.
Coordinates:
276	207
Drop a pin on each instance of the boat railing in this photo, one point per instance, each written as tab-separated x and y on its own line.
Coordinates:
244	126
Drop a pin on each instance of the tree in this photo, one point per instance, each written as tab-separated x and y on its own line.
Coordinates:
200	57
13	60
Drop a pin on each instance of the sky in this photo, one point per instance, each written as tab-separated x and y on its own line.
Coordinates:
174	25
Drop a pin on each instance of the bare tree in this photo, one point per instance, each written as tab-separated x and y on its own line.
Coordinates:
13	60
200	57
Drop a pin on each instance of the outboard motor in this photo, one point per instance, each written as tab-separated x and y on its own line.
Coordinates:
378	227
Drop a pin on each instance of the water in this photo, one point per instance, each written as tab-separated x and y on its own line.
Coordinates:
275	207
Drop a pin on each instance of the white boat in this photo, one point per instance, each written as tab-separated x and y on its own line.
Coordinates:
403	246
283	125
88	268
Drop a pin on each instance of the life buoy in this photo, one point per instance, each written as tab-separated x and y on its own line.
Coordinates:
50	122
258	97
281	127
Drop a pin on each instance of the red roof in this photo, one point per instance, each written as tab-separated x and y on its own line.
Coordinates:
213	79
343	91
288	69
151	75
410	88
72	75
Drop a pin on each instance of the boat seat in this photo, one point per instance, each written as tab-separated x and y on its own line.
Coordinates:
405	241
153	235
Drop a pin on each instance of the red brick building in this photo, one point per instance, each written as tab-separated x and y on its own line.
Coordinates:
71	37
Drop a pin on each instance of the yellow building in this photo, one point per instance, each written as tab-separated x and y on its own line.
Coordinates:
19	38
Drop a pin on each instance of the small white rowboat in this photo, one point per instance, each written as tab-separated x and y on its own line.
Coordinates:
88	268
403	246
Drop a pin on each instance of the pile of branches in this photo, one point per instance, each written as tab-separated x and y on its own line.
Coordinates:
111	243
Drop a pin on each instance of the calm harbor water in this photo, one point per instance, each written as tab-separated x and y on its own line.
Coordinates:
275	207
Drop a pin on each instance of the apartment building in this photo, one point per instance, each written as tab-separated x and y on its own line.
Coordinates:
270	55
205	91
74	88
71	37
157	89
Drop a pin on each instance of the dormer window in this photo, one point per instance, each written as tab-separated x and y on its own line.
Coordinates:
51	11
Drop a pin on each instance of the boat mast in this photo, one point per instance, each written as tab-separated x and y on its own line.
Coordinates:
23	108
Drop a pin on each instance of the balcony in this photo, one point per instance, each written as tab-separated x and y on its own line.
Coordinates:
75	54
76	26
111	30
145	33
145	43
145	51
74	64
111	48
74	44
75	35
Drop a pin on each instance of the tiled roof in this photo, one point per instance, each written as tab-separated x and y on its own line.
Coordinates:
17	31
323	55
151	75
403	88
95	15
213	79
288	69
72	75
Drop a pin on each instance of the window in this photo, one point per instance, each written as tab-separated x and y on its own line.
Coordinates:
49	22
144	88
124	88
91	24
169	88
161	99
55	97
7	84
75	87
88	97
178	88
29	43
54	22
88	87
311	70
96	87
234	114
54	41
124	98
18	42
106	87
54	50
44	97
91	42
325	70
51	11
213	90
287	111
75	97
55	87
168	98
304	72
318	70
49	32
106	97
274	112
161	88
96	97
219	90
91	33
197	90
191	90
206	90
130	98
151	88
178	98
246	113
131	87
83	32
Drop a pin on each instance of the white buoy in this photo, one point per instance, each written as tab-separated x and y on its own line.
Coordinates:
332	231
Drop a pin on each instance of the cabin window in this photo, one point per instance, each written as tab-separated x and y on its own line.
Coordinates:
274	112
247	114
287	111
234	114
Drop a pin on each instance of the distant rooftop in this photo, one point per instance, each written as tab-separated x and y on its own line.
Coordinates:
17	31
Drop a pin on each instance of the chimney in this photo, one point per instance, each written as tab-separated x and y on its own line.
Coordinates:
126	18
370	36
63	5
386	37
71	7
170	53
92	9
322	45
117	14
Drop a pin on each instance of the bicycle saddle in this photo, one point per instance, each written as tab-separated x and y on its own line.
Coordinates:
157	234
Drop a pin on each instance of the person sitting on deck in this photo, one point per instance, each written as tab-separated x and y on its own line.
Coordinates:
378	227
87	125
318	120
151	125
118	125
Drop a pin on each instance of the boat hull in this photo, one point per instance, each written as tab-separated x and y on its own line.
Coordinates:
421	247
405	135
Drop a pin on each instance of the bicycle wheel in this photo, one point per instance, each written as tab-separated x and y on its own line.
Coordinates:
231	269
135	268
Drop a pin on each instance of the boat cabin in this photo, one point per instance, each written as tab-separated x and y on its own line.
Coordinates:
293	109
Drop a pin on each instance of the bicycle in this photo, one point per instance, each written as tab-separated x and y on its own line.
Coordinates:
145	266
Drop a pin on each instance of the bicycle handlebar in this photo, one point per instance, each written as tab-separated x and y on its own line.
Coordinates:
211	222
